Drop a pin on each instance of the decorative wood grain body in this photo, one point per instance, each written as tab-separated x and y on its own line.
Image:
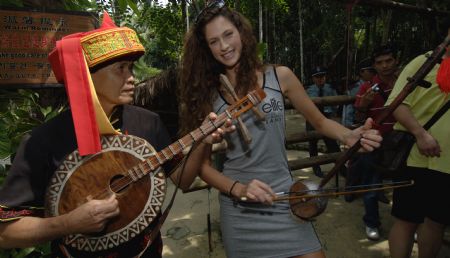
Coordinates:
79	178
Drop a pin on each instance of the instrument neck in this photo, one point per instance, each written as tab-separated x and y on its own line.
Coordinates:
155	161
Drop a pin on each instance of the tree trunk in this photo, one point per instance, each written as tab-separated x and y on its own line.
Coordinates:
387	18
368	35
300	23
260	22
237	5
184	14
429	22
275	56
266	31
349	42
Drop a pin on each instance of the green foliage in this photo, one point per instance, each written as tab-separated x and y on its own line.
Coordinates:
163	35
2	174
262	50
280	4
134	7
80	5
20	112
40	251
123	5
11	3
142	71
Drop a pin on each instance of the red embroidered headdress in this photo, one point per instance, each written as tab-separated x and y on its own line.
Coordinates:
71	59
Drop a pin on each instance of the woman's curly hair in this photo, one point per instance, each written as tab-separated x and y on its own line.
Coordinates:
199	80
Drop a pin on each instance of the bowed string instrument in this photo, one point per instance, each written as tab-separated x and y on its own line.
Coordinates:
308	199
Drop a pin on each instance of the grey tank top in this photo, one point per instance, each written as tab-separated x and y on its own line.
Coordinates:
265	157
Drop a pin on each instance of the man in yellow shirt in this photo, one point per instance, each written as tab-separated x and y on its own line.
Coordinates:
427	164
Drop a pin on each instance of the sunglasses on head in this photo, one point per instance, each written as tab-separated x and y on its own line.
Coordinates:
211	5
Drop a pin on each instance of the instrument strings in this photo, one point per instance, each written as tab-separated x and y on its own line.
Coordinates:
314	193
347	188
125	181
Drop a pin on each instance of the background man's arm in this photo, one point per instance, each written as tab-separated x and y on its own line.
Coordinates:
427	145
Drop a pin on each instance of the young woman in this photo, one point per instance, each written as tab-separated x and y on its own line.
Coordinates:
221	42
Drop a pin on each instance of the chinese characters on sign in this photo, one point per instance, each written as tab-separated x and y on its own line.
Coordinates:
27	37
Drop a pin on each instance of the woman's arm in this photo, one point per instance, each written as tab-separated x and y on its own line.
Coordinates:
215	178
192	167
199	152
293	89
255	190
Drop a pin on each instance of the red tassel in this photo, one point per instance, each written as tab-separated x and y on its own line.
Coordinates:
443	76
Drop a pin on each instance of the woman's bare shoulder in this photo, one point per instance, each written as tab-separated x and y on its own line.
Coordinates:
287	78
283	71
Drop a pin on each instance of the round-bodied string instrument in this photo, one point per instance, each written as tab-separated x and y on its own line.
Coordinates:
306	207
308	200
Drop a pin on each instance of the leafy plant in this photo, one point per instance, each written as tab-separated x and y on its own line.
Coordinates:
11	3
20	112
142	71
30	252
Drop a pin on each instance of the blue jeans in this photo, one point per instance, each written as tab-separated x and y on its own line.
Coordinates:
364	165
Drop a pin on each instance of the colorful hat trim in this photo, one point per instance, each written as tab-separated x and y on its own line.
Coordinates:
107	45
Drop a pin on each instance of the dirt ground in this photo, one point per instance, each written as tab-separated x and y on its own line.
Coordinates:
340	228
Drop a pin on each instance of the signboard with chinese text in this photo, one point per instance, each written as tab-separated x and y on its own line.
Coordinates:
26	38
